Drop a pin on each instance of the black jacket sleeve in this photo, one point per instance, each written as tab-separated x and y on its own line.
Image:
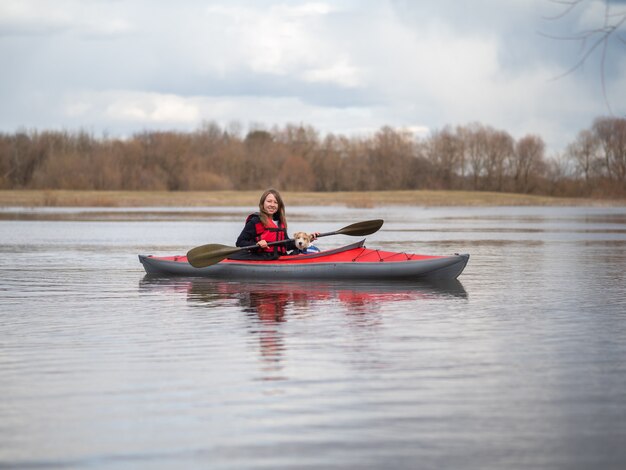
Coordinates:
247	237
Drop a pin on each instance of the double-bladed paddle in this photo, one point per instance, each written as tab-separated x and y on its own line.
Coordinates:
207	255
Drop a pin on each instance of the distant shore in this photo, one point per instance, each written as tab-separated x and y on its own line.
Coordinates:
61	198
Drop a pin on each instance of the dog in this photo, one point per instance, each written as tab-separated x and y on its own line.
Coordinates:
303	242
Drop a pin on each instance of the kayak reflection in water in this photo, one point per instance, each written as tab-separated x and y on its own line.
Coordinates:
269	307
266	226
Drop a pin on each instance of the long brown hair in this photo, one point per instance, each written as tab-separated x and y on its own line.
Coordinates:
281	207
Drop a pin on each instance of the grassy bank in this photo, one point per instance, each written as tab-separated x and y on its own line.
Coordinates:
35	198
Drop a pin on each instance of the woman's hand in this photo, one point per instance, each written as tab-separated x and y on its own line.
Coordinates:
314	236
262	244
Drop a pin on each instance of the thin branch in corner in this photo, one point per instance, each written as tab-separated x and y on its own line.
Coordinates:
592	40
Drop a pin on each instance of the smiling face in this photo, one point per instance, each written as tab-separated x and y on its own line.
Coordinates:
270	205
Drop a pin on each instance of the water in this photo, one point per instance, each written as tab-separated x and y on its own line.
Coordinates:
519	364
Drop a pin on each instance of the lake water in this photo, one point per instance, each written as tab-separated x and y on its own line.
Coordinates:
520	364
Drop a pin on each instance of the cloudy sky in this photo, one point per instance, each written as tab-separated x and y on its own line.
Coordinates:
341	66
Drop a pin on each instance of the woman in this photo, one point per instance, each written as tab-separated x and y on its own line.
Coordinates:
266	226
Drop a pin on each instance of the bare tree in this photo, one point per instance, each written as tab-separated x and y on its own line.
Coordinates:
528	162
446	152
326	163
611	135
584	152
474	137
486	151
597	40
500	150
296	174
390	154
295	158
300	140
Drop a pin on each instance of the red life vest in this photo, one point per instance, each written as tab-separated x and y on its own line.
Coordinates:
271	233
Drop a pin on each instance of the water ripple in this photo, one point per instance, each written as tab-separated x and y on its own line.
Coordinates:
519	364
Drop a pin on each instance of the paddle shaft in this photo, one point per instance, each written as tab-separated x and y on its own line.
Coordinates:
287	240
206	255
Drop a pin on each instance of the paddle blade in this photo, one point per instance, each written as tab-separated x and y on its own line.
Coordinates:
207	255
360	229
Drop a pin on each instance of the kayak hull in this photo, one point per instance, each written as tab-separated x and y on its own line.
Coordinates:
351	262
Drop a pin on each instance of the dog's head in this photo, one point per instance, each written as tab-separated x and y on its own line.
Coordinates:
302	240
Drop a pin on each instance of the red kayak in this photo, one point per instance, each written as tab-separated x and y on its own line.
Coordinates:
350	262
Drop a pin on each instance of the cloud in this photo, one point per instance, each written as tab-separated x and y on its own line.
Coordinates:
282	40
40	17
116	110
133	107
341	66
25	18
340	73
153	108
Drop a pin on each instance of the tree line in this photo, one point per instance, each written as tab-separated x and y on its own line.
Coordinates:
298	158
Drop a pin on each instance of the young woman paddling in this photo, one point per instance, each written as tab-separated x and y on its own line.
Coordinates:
266	226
